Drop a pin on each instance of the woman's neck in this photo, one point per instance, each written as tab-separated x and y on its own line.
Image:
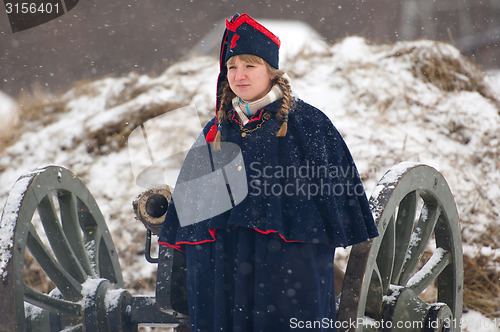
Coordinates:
250	108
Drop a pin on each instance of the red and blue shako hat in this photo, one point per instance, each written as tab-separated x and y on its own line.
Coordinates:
247	36
244	35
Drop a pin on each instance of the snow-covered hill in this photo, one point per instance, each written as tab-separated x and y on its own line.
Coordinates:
414	101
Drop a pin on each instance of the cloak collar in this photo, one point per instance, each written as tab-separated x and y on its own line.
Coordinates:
272	108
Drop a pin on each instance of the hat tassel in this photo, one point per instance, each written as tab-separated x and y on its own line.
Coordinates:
217	140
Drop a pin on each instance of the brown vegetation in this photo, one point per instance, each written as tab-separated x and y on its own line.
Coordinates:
481	285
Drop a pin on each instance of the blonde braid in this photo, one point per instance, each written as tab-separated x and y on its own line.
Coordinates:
227	96
287	104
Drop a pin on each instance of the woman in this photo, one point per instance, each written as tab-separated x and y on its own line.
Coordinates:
265	262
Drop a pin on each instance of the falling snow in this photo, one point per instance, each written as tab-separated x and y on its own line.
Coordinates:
385	112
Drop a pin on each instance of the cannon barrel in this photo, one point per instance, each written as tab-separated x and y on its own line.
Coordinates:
150	207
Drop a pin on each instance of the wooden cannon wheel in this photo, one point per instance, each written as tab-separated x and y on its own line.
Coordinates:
69	240
419	246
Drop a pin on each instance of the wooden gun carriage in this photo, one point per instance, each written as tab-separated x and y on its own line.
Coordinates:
384	286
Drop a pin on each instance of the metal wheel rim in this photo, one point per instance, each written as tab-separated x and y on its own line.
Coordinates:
79	249
385	260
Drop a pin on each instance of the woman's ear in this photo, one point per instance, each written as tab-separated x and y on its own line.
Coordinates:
272	76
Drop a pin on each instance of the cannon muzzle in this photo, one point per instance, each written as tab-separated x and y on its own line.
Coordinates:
150	207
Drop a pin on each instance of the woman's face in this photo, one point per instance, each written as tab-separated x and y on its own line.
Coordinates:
249	81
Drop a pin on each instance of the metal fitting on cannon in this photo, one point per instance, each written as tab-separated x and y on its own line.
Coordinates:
151	206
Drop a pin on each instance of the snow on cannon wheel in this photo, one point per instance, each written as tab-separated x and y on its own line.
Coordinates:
419	246
69	244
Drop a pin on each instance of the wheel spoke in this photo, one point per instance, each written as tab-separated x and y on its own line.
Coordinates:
68	286
58	240
91	240
374	298
91	236
385	255
404	227
99	256
419	239
52	304
98	251
430	271
106	268
72	230
448	282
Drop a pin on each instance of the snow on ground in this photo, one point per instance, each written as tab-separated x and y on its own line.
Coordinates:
474	321
386	113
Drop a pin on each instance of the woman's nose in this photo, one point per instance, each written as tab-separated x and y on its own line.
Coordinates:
240	74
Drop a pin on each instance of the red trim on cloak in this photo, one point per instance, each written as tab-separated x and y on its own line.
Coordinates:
269	231
178	245
213	232
245	18
253	118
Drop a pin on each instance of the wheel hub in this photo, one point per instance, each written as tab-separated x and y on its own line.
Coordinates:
405	311
105	307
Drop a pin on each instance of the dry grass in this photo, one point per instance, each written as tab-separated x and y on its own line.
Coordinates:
439	65
40	106
481	286
113	136
138	286
35	107
8	138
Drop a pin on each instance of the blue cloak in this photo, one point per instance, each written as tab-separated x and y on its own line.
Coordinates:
304	186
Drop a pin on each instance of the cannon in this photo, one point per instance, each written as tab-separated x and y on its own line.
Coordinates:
408	278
